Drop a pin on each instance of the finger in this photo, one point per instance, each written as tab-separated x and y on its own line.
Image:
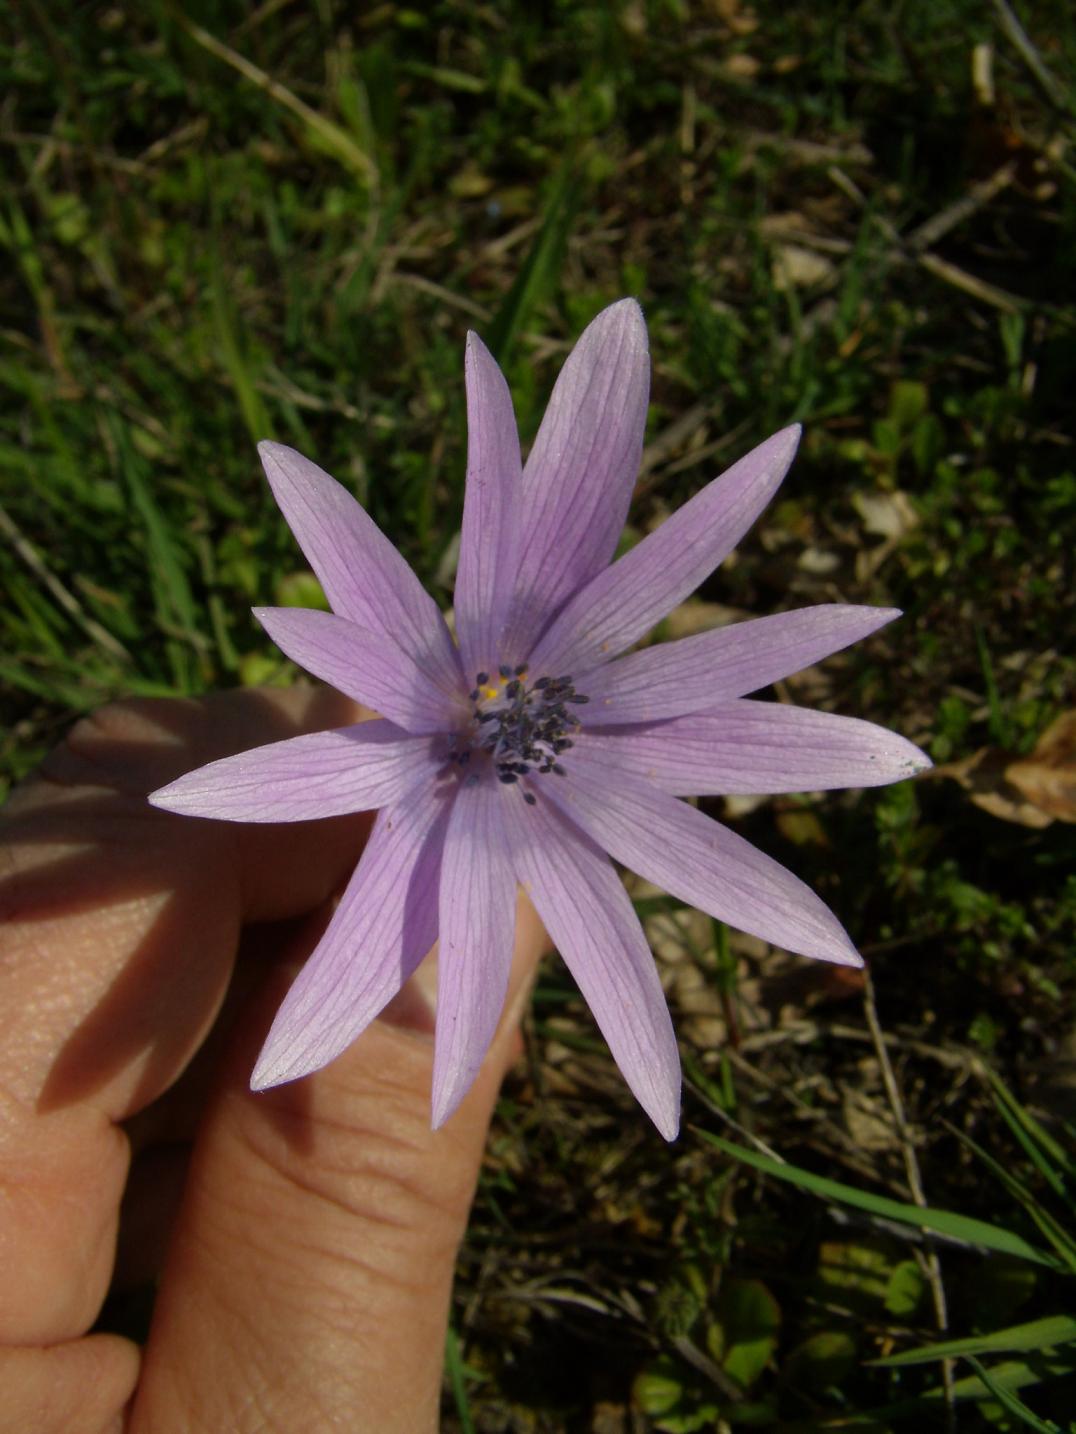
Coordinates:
121	925
309	1276
75	1388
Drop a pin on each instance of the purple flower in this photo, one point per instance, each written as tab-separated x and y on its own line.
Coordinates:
539	747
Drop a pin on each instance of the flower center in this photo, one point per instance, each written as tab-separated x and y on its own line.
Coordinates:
523	726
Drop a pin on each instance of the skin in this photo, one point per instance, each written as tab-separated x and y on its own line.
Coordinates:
306	1236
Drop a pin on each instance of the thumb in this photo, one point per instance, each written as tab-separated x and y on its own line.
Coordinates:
310	1273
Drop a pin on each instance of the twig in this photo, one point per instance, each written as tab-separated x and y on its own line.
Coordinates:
978	196
969	284
447	296
335	139
931	1262
67	600
904	250
1020	41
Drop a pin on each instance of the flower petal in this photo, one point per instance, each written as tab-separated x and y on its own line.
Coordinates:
491	512
581	470
364	577
320	774
590	920
477	917
753	747
385	923
369	668
696	859
695	673
627	599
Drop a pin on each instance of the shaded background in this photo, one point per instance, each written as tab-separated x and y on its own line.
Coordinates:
226	222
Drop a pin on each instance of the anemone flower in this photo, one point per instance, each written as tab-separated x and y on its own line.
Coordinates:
537	746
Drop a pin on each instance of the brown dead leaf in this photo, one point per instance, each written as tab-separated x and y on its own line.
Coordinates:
795	267
1047	779
1031	791
695	616
886	514
741	67
801	826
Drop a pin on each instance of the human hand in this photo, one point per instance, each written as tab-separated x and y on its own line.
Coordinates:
310	1260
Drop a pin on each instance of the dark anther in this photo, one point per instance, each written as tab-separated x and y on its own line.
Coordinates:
482	678
507	778
474	695
558	769
529	799
521	669
504	671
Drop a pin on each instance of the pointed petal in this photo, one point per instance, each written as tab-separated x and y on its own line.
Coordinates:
365	579
695	673
321	774
625	601
590	920
753	747
385	923
371	669
477	907
696	859
581	470
491	512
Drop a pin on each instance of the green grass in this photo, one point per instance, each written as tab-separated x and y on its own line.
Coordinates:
281	222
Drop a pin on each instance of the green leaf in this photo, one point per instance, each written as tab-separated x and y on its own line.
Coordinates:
750	1319
300	589
904	1292
823	1361
1035	1334
944	1222
908	402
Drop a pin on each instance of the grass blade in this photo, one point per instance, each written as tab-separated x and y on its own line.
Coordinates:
1035	1334
455	1375
1012	1402
541	266
943	1222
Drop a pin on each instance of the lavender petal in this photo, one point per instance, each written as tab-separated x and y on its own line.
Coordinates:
626	600
491	512
477	918
586	911
699	861
753	747
320	774
364	666
579	476
384	925
365	579
694	673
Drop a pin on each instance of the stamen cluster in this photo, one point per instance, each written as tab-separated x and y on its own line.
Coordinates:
528	728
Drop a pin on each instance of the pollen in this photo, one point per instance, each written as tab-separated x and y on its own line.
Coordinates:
521	730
